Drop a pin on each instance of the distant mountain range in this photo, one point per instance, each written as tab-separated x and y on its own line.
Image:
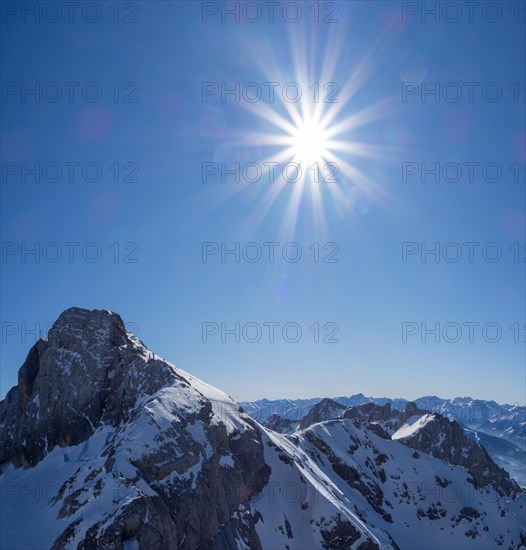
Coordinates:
104	445
500	428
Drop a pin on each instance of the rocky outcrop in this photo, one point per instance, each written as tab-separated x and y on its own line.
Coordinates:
280	424
382	418
85	374
446	439
326	409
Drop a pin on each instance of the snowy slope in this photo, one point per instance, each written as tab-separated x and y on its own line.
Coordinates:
487	418
166	461
412	425
105	445
421	501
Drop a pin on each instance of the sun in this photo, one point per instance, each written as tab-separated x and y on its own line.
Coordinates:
309	142
308	147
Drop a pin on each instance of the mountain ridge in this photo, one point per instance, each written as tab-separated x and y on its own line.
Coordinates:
132	452
487	418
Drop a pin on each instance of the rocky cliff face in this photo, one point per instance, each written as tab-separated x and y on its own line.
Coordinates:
326	409
128	451
88	372
280	424
446	439
161	458
91	375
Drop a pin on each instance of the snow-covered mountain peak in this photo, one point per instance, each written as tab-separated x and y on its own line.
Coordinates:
132	452
89	372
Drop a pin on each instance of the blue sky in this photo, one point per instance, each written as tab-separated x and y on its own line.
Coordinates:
152	123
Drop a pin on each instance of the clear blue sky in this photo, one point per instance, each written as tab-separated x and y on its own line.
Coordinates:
375	51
